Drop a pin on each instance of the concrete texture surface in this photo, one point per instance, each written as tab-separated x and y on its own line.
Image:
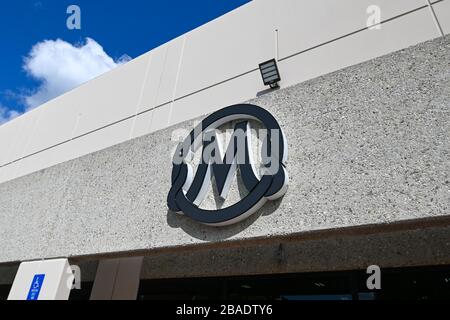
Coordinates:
321	253
369	145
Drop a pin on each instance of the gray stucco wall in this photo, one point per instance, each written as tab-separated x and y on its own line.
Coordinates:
369	145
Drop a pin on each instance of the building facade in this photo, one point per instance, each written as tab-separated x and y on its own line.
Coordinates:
363	104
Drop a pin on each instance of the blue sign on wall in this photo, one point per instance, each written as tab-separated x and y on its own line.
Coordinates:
36	286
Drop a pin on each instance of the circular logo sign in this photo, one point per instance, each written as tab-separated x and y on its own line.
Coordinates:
189	189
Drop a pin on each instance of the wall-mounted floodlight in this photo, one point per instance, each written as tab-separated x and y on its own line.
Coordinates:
270	73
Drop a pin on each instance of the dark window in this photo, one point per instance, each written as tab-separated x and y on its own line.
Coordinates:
84	293
408	283
4	291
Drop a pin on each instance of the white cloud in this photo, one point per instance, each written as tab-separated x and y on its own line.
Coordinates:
61	66
7	114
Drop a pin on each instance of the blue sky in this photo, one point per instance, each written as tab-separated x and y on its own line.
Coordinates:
130	28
